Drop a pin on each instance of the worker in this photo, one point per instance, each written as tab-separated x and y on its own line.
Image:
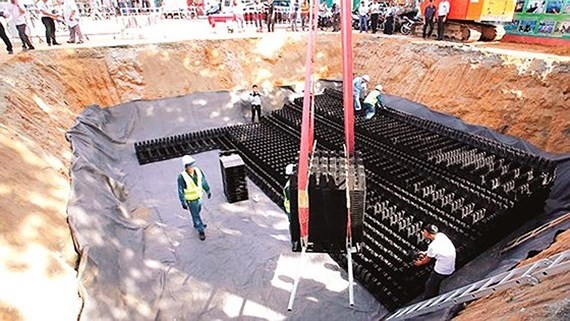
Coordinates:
443	251
255	100
289	172
359	90
191	186
373	99
442	12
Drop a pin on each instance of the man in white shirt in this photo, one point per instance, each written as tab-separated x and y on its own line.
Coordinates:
442	12
363	16
374	15
46	12
71	17
3	35
18	13
443	251
255	100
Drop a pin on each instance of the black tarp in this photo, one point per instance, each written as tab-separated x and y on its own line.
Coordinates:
143	261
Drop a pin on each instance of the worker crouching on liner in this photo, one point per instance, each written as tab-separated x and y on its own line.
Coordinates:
191	186
443	251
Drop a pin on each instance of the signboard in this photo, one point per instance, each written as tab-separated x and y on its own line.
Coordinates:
542	18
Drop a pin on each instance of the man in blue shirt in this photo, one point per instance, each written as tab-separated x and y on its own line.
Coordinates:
191	185
359	90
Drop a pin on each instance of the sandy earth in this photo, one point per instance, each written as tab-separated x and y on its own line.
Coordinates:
41	92
547	300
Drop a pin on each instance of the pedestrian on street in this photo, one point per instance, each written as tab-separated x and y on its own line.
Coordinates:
4	37
372	101
192	184
442	12
429	14
18	13
443	251
48	19
359	90
255	100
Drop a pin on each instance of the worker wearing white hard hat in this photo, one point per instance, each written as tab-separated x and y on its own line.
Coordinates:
192	184
359	90
373	100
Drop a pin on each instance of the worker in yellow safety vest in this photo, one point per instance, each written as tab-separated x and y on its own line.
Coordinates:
191	186
372	101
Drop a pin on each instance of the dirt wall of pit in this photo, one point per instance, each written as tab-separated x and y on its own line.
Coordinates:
42	92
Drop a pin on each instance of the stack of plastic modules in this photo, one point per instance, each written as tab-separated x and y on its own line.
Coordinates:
233	176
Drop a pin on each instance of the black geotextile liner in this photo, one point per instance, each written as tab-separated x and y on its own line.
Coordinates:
144	261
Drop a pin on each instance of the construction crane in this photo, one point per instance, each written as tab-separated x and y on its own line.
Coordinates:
470	20
307	146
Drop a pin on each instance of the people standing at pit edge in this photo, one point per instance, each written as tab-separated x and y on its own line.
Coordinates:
18	13
374	15
4	37
429	14
442	12
192	184
359	90
373	100
443	251
270	15
255	101
363	17
71	17
46	12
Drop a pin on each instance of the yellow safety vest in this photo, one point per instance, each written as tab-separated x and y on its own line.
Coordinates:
192	191
286	201
372	97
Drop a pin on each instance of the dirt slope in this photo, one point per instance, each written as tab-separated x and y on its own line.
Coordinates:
41	93
547	300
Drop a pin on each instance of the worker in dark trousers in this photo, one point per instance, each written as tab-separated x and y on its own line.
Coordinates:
289	172
48	20
429	14
442	12
443	251
191	186
18	13
255	100
4	37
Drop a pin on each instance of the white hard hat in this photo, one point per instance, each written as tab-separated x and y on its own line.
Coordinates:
188	160
379	87
289	169
366	78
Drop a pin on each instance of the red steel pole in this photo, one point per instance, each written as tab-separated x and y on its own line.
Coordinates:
347	74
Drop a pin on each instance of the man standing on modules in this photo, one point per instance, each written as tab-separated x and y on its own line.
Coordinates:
191	186
359	90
